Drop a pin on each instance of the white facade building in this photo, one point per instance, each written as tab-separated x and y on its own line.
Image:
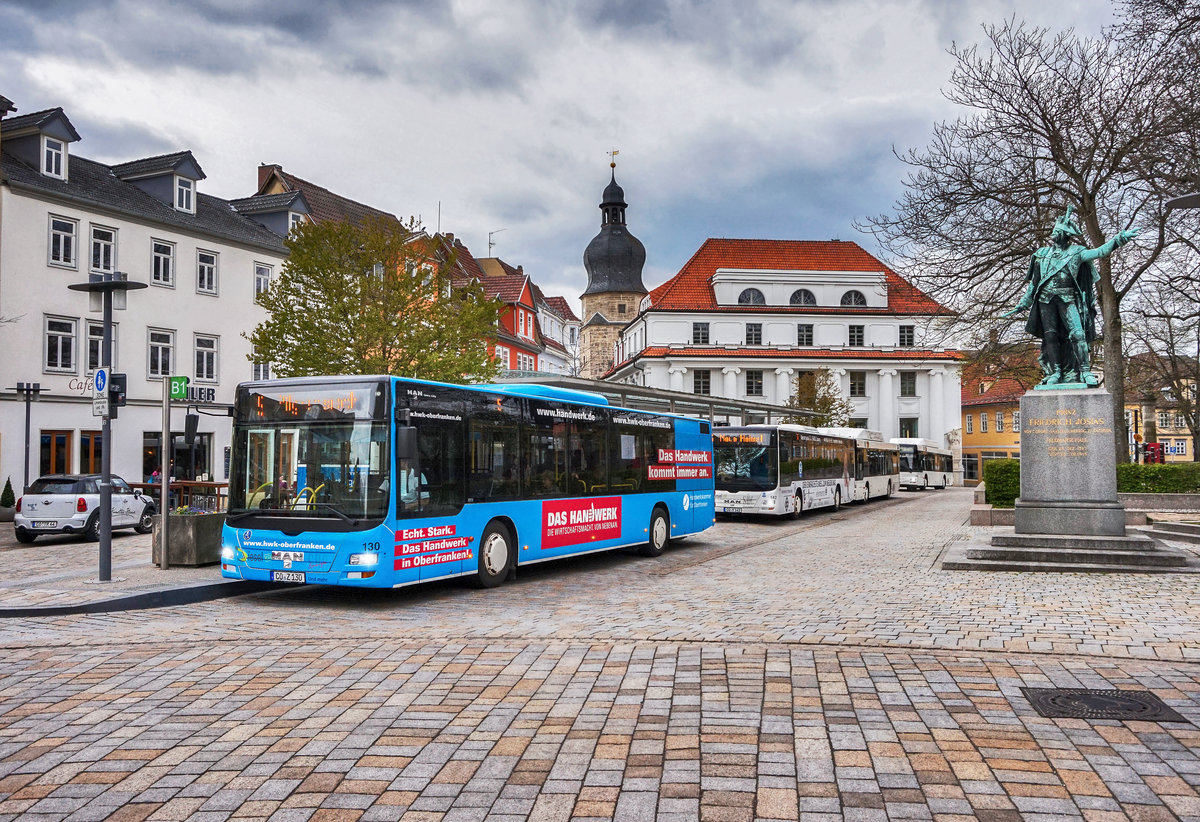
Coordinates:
744	318
63	217
560	333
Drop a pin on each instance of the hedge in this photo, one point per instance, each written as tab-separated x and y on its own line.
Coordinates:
1002	480
1167	478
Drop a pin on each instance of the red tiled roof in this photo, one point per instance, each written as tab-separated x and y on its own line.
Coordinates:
554	344
792	353
508	288
561	307
323	204
1003	390
691	289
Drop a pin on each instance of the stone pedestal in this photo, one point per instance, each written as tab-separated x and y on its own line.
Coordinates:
1068	465
1068	517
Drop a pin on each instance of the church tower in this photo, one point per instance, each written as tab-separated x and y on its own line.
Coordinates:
614	260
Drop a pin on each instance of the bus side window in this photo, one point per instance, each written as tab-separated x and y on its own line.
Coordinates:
589	463
544	452
494	450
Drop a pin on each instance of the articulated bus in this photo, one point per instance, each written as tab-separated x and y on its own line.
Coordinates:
383	482
876	463
781	469
924	464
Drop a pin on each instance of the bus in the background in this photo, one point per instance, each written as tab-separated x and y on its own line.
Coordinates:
876	463
383	482
924	464
781	469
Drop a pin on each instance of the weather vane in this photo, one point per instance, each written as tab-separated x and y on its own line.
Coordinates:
612	158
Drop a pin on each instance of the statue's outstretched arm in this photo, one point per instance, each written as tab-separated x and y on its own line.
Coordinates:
1112	245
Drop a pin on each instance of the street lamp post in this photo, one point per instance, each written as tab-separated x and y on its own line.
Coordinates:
30	391
102	288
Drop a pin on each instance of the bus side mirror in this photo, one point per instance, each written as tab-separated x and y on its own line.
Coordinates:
406	442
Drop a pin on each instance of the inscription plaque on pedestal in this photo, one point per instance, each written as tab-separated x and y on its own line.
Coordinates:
1068	465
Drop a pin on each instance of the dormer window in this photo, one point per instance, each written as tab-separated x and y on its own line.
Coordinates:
751	296
853	299
295	220
54	154
184	195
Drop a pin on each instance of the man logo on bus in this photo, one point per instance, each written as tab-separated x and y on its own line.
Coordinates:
246	535
687	502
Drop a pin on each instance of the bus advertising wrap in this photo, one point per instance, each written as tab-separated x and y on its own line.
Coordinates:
569	522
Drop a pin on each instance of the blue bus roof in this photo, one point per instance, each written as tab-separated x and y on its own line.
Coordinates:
548	392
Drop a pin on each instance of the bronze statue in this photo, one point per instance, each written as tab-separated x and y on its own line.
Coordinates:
1062	303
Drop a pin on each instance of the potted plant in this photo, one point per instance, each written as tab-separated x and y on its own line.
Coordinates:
8	502
193	539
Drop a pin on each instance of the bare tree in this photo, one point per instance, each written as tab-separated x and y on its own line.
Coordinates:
819	393
1164	328
1108	125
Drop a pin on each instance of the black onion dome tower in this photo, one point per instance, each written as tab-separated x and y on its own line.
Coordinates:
613	260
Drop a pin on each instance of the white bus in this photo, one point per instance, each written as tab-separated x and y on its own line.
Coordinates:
781	469
924	464
876	463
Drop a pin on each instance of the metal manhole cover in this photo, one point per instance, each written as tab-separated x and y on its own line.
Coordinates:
1094	703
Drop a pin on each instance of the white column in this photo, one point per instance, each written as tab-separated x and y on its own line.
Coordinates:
731	379
677	372
888	424
783	385
937	411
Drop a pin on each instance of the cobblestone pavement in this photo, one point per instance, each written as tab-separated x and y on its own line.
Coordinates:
63	571
819	669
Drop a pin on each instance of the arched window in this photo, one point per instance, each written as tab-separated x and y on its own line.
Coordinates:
751	296
853	298
802	296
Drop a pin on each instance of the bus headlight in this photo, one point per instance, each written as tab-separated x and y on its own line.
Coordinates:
364	559
226	552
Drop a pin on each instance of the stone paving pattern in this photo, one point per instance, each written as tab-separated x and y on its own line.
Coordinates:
814	670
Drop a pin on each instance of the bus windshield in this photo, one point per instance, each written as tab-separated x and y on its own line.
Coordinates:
746	461
313	452
910	459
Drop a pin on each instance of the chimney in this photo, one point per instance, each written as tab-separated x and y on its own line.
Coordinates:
6	105
264	173
520	269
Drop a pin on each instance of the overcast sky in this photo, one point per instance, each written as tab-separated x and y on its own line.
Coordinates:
743	118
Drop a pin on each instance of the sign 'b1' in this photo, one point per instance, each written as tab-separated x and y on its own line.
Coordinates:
179	387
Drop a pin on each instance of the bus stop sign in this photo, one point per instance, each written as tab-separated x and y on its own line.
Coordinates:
179	388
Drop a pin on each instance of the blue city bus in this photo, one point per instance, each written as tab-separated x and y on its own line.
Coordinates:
383	482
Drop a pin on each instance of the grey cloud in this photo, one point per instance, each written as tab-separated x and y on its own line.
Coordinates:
117	141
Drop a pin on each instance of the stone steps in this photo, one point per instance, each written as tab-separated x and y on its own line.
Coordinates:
1134	541
1075	558
1178	531
1136	553
956	564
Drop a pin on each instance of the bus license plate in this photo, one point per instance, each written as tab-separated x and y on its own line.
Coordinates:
45	523
287	576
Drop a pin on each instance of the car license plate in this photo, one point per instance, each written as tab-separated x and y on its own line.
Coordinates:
287	576
46	523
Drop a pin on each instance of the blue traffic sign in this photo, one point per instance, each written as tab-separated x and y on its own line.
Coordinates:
100	381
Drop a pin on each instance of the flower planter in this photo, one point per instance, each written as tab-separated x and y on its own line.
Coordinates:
7	514
193	540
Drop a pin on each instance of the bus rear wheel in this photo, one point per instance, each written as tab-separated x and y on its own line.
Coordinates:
660	534
495	555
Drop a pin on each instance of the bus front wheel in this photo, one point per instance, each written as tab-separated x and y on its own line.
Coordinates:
837	499
660	534
495	555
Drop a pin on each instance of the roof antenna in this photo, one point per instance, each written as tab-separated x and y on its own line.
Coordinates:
490	243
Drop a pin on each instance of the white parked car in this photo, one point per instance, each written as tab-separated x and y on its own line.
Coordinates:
70	504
